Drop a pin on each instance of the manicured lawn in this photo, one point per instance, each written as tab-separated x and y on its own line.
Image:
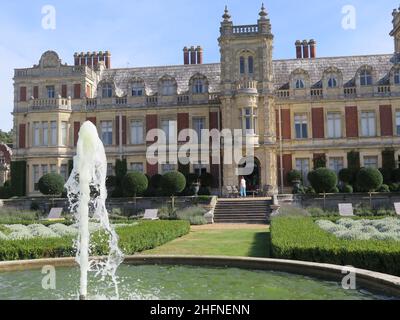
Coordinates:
224	240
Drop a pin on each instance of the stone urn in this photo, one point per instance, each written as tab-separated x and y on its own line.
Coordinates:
196	187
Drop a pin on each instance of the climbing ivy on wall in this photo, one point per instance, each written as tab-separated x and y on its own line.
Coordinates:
18	178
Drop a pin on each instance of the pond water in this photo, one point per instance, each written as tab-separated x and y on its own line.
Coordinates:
179	283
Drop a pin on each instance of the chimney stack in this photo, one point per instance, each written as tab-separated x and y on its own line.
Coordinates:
199	51
306	53
185	55
108	59
299	51
192	55
313	48
76	59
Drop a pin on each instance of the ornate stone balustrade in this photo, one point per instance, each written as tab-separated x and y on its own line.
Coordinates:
50	104
245	29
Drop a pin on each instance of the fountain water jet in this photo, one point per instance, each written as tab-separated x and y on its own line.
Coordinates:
87	194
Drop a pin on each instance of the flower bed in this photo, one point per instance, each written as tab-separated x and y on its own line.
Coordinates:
300	238
349	229
133	238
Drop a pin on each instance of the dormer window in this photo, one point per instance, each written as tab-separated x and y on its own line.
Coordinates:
168	87
332	83
107	91
299	84
137	89
397	77
366	78
199	86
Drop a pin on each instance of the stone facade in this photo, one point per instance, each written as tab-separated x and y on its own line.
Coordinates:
296	110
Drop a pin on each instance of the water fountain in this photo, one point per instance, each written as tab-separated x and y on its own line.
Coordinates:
87	194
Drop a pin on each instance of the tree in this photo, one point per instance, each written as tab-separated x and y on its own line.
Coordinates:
293	176
369	180
52	184
323	180
173	183
6	137
134	183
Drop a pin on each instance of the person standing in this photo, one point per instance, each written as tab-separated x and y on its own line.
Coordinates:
243	192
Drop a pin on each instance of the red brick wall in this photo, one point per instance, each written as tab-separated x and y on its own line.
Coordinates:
77	126
351	122
183	123
36	92
287	167
386	120
22	136
22	94
286	125
152	170
151	123
214	120
93	120
64	91
318	127
77	91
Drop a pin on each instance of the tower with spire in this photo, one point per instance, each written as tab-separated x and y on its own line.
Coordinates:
247	86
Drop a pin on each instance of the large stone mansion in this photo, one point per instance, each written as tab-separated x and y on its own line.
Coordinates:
298	110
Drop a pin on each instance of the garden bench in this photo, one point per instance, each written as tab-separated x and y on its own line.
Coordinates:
397	208
151	214
55	214
346	209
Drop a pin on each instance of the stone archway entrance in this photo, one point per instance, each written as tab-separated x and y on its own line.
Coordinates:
254	179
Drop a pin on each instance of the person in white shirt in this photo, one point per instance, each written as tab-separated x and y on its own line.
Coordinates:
243	186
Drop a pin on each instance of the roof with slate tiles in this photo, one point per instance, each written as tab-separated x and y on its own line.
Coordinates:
380	64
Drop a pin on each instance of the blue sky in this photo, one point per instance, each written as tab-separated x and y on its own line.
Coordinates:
153	32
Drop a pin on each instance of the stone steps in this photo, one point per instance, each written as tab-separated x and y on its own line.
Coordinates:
242	211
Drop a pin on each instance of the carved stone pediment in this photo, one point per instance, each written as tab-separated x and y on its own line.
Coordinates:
50	59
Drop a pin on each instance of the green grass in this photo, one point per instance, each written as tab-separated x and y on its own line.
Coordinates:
244	243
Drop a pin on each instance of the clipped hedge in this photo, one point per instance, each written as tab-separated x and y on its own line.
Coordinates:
300	238
147	235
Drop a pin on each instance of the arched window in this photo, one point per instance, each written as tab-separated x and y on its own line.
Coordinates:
332	82
300	84
242	66
137	89
199	86
251	65
168	88
366	78
107	90
397	77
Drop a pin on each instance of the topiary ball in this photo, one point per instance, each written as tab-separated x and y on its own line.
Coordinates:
134	183
323	180
294	175
347	189
369	179
51	184
173	183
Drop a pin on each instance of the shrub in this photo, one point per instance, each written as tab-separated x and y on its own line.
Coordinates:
204	191
173	183
132	239
394	187
323	180
293	176
396	175
347	189
134	183
384	188
156	181
51	184
335	190
386	174
369	179
347	176
5	192
206	180
300	238
195	215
